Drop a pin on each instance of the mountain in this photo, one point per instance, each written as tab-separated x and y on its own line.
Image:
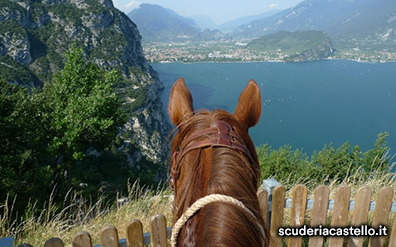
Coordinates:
34	36
230	26
158	24
295	46
204	22
349	23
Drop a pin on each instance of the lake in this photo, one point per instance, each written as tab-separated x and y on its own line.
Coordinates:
305	105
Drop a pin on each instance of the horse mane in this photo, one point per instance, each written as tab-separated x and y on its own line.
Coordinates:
218	170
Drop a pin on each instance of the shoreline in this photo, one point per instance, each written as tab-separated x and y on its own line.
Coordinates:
276	61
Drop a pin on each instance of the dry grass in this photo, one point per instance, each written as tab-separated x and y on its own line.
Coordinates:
82	216
142	204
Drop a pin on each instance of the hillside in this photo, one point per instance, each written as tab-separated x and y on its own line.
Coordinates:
230	26
295	46
362	23
204	22
34	36
158	24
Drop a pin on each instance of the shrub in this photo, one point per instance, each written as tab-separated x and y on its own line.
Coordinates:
326	165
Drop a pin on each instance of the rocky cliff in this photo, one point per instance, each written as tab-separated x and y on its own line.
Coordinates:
34	36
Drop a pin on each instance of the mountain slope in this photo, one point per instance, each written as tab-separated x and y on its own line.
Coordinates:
204	22
34	36
295	46
230	26
159	24
369	21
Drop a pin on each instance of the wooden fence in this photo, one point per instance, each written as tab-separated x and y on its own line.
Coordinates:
299	210
344	213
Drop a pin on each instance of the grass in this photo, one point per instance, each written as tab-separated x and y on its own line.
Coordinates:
83	215
143	203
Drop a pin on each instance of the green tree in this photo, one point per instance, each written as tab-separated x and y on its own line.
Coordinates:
22	150
82	111
45	133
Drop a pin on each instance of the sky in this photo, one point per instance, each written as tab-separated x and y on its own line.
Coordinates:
219	10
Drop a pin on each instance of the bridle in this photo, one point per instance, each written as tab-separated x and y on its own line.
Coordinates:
219	134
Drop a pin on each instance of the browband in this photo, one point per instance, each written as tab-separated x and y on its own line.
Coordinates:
219	134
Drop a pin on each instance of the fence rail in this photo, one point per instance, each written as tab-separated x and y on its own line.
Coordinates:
344	212
342	207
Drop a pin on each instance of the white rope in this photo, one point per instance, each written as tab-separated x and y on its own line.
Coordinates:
202	202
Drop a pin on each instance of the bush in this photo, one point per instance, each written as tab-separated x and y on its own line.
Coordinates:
324	166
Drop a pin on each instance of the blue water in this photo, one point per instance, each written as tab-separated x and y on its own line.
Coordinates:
306	105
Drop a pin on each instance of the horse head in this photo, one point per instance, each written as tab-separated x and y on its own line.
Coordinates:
214	157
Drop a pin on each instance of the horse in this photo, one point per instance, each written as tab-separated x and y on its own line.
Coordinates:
215	172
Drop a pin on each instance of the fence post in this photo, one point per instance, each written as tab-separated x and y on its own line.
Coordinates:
269	185
109	237
7	242
135	234
82	239
158	231
54	242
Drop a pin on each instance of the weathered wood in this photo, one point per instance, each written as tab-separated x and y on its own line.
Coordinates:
278	204
319	212
82	239
263	201
54	242
340	213
381	214
297	213
360	213
135	234
158	231
392	239
109	237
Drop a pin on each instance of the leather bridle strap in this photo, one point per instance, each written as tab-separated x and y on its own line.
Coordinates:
219	134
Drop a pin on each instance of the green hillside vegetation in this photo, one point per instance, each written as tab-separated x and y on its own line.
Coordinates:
64	125
294	46
45	133
49	40
12	71
289	42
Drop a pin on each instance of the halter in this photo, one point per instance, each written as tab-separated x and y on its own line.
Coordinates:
219	134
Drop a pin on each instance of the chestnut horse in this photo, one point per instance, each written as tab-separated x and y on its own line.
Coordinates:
212	154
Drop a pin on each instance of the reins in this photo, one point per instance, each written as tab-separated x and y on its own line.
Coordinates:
202	202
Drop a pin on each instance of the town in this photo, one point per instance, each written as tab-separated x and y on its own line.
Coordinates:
237	51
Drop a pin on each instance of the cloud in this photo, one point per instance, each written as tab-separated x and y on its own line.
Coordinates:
126	5
274	5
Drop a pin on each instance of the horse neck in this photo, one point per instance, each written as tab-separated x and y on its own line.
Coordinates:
219	171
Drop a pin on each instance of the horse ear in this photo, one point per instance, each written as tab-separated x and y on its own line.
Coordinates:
248	109
180	104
